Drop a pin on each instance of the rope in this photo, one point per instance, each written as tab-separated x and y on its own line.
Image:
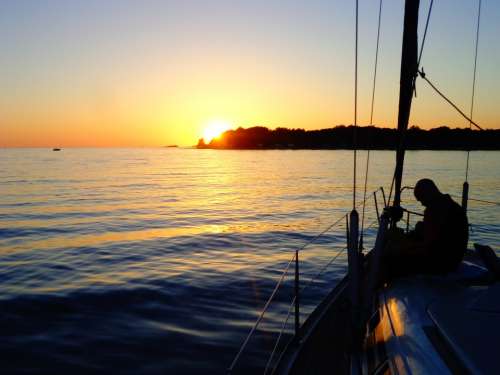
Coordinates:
371	123
355	108
473	84
423	75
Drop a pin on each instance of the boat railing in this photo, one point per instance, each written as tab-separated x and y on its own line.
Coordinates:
298	289
410	213
483	201
294	303
407	219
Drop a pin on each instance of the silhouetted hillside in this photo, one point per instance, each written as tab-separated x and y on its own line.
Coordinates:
368	137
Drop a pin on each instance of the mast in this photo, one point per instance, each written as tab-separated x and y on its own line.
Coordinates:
409	67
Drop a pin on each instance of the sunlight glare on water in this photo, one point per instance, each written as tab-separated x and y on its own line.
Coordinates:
158	260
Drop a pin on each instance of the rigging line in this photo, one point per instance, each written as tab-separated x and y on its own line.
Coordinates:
371	121
425	33
355	107
376	61
473	84
423	75
422	45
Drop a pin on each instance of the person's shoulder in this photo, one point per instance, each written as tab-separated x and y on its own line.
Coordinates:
449	200
455	208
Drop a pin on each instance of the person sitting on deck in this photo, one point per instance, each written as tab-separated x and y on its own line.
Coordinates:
438	244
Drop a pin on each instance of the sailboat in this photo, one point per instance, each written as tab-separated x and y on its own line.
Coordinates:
417	324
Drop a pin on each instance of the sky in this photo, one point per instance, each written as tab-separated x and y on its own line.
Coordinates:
127	73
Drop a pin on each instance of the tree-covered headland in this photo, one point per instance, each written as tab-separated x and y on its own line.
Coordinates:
367	137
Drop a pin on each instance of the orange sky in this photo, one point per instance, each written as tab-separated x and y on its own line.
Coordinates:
123	74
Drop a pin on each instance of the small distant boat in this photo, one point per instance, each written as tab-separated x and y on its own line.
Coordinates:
56	149
171	146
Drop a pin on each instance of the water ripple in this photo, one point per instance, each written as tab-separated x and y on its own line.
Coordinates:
159	261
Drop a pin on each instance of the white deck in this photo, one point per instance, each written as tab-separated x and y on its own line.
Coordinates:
412	307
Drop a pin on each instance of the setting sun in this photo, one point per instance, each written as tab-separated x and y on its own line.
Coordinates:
214	129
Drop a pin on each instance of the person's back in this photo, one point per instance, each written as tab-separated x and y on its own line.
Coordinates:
445	233
438	244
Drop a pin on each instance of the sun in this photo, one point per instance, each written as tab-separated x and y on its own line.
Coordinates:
214	129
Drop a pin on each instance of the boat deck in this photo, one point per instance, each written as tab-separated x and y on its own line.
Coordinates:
470	325
425	324
436	324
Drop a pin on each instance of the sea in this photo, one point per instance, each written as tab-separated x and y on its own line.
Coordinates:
160	260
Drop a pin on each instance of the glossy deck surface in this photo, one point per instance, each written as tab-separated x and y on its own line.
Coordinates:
424	325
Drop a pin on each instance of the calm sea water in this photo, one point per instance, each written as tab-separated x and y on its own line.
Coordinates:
158	261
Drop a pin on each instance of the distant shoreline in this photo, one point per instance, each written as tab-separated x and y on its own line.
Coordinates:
367	138
337	149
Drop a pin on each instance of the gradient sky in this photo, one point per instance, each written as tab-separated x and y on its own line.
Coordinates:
152	73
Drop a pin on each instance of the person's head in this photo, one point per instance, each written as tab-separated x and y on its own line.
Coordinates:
426	191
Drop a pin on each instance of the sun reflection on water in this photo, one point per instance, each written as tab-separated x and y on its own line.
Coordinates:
169	234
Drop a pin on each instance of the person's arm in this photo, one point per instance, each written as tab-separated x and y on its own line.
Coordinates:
401	244
428	234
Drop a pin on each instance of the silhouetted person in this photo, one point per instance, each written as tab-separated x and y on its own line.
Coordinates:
438	244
